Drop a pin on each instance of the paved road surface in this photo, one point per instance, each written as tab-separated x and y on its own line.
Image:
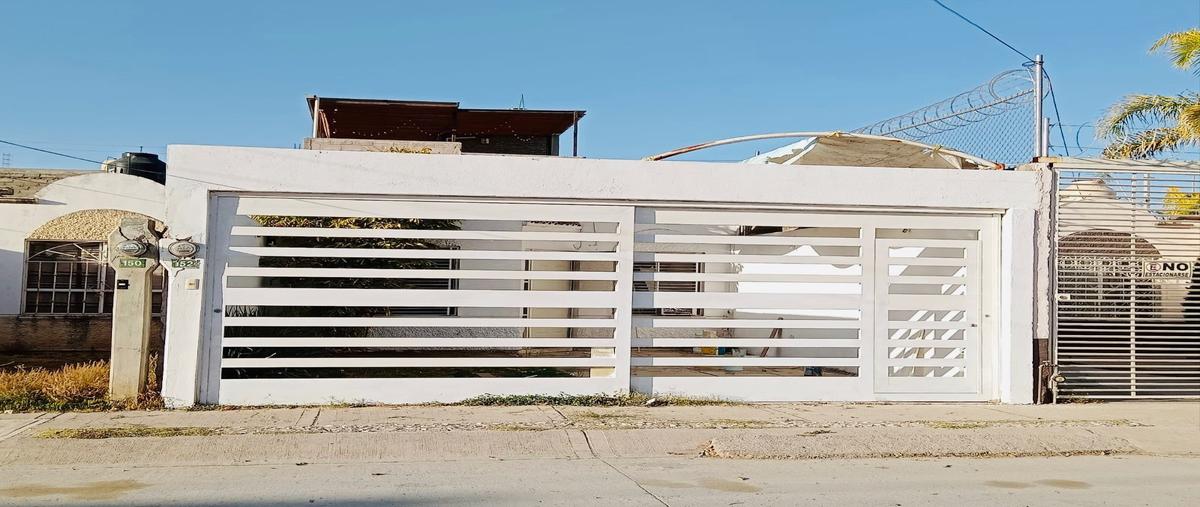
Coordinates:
1081	480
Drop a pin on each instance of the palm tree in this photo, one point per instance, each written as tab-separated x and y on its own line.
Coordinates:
1141	126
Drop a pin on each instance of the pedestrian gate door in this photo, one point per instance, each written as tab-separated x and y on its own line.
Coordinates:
339	299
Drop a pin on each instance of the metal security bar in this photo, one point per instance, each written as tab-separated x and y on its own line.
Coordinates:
1127	303
73	278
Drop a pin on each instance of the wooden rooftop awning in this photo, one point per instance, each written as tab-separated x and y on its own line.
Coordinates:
430	121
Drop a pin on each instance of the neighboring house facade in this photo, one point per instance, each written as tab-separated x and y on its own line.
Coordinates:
55	283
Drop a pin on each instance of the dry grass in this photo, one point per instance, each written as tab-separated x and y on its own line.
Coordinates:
601	415
590	400
73	387
959	425
128	432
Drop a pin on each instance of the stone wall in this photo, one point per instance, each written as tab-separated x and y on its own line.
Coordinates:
92	224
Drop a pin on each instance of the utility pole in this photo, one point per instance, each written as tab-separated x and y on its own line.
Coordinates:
1040	129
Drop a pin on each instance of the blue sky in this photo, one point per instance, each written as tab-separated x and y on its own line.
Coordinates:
97	78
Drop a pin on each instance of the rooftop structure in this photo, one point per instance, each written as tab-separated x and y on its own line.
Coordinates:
503	131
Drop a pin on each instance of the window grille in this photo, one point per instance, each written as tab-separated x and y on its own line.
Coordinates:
74	278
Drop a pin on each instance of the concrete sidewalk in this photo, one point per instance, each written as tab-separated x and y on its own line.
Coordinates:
427	433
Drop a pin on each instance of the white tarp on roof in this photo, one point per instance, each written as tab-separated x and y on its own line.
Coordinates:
839	149
846	149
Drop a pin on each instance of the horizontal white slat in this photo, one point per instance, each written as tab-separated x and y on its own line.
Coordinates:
1125	347
745	300
318	391
1124	369
446	209
331	232
704	323
929	302
1139	354
746	342
918	362
928	324
746	277
745	361
1143	363
401	342
895	220
464	274
929	261
419	297
413	253
1140	384
969	244
417	362
745	259
413	322
928	344
937	280
745	240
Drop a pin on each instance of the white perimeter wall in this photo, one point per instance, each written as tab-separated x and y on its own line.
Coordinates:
196	171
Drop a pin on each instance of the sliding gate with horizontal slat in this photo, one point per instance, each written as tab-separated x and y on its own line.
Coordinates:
1127	302
330	300
814	306
325	299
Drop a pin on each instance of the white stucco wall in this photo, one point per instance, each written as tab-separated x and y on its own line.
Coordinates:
198	171
97	190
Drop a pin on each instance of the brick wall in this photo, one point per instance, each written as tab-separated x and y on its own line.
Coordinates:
53	341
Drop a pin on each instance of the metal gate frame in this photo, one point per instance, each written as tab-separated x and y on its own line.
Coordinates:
981	262
1104	206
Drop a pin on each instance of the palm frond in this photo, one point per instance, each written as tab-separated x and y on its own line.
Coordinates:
1147	143
1189	121
1138	111
1184	48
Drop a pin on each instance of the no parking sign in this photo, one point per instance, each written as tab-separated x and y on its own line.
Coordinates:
1167	269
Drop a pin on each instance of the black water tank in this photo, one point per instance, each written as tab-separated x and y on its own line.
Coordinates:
146	165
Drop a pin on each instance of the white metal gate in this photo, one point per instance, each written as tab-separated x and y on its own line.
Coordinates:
344	316
1127	306
381	300
815	306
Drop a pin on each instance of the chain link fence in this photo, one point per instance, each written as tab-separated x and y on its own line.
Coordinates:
993	120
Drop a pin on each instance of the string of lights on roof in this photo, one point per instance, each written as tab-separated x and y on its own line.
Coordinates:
410	125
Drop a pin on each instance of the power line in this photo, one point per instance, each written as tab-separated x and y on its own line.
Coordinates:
984	30
1053	99
50	152
1057	118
